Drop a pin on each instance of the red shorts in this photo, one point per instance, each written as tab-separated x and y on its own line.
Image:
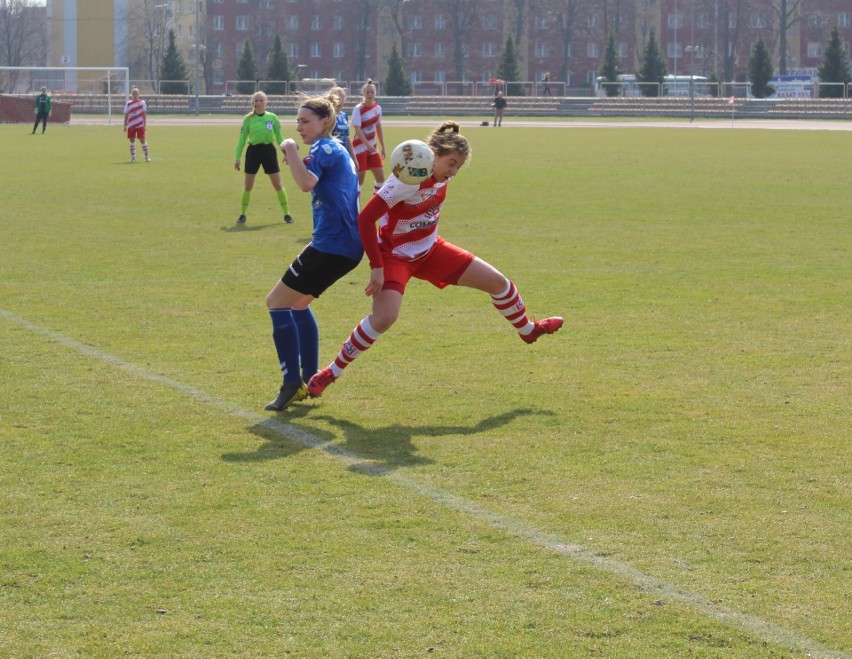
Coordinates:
368	161
133	133
442	266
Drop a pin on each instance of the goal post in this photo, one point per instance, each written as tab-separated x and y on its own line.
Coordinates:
109	80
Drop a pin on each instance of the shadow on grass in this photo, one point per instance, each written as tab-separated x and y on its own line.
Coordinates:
369	451
241	228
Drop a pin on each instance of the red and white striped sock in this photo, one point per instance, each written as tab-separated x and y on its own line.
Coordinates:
362	337
133	150
512	308
145	148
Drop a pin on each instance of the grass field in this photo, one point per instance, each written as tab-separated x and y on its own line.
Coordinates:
667	476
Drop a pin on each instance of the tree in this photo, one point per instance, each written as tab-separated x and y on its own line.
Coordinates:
279	69
147	25
653	68
173	69
23	37
247	70
788	14
508	68
463	17
397	83
834	69
610	69
760	71
564	14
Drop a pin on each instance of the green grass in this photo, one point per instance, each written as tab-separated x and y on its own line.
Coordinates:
687	432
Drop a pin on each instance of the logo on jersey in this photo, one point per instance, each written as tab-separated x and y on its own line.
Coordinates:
268	125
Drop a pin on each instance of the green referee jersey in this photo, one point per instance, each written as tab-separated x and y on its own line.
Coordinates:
259	129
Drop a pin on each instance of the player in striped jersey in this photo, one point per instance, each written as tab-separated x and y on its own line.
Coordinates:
367	123
135	123
408	245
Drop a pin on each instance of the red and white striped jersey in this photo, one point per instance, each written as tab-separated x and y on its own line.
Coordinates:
135	111
367	117
408	224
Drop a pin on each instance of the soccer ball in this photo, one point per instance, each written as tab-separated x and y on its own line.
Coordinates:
412	162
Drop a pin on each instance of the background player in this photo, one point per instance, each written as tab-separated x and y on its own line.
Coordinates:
367	122
135	123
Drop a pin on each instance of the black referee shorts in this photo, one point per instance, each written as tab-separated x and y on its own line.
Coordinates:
262	154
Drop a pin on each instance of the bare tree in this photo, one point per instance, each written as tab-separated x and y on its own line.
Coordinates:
731	17
148	24
564	14
23	36
462	15
520	15
788	14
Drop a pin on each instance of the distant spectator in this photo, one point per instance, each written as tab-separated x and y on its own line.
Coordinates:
43	109
499	104
546	81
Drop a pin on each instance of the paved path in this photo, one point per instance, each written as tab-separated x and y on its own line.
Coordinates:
765	124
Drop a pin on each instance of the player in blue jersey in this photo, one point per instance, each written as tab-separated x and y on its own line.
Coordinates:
337	96
329	174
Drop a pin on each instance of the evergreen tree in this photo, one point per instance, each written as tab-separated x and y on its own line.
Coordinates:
653	68
173	68
834	69
610	70
509	69
279	69
247	71
760	71
397	83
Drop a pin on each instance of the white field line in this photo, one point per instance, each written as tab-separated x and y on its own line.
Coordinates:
761	629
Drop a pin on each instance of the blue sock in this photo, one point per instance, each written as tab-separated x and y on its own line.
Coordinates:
308	341
285	334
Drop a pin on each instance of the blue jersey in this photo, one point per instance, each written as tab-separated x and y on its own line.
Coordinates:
334	199
341	129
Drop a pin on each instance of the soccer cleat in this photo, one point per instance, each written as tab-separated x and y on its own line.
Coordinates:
289	393
241	219
288	219
319	382
147	158
546	326
132	160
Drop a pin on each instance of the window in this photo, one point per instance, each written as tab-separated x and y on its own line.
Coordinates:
702	21
413	49
758	21
592	21
218	2
415	22
540	23
440	22
441	76
440	49
315	22
337	24
674	51
622	50
316	51
291	23
179	34
592	50
814	49
489	49
242	2
338	50
218	22
674	21
542	50
843	19
732	21
292	51
489	22
242	23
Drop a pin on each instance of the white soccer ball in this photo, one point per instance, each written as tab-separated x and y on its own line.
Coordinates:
412	161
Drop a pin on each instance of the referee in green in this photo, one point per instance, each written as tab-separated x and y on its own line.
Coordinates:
262	131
